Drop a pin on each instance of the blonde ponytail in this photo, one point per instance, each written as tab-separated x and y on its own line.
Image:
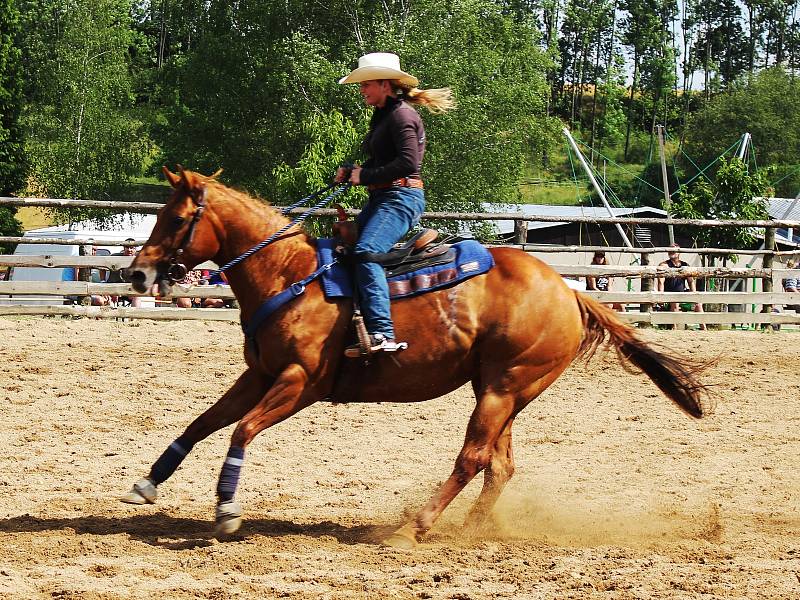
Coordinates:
438	100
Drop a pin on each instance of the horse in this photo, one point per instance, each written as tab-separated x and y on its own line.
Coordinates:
510	332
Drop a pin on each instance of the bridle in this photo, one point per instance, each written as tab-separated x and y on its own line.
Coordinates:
177	270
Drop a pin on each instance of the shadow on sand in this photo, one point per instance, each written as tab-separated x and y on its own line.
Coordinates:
178	533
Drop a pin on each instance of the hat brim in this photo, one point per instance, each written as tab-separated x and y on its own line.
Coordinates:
373	73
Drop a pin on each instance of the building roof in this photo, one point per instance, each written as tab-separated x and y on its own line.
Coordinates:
562	211
136	226
784	208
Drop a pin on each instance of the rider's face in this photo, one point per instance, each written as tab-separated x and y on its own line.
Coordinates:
375	92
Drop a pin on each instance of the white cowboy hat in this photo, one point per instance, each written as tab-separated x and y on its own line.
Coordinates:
379	65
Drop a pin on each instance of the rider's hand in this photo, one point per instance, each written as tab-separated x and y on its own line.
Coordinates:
355	176
341	175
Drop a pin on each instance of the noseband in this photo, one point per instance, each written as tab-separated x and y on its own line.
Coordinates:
177	270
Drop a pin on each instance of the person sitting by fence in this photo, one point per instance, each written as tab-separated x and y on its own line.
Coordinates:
116	277
218	279
94	276
678	284
602	283
193	277
792	285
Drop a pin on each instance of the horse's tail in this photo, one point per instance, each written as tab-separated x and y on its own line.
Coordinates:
675	376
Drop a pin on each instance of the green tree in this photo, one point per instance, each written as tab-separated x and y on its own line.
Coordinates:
767	107
643	32
12	167
258	94
737	194
83	139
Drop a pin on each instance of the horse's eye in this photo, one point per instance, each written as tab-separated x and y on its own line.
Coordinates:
178	221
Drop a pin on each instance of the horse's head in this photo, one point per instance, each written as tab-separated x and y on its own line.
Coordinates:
182	237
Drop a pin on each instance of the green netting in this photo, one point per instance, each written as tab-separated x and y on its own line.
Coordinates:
616	164
791	172
708	166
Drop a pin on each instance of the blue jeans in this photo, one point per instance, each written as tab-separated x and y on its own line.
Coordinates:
386	218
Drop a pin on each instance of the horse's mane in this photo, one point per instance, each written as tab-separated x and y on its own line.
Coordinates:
254	207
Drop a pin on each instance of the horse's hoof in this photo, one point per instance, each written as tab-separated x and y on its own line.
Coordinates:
228	518
401	541
143	492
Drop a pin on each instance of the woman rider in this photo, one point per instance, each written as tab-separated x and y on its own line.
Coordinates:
395	145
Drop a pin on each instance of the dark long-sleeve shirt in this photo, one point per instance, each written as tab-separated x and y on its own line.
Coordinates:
395	144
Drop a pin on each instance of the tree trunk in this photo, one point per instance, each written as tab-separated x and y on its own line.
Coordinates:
594	94
630	104
706	60
609	58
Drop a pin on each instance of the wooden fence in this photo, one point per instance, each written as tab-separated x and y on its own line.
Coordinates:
737	307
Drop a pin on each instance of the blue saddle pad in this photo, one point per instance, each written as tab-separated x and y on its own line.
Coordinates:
471	259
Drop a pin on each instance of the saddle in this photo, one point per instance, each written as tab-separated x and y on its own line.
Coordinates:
418	252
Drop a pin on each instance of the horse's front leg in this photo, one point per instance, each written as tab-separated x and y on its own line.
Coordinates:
289	394
237	401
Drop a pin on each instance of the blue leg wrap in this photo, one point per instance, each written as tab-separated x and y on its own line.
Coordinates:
173	456
229	477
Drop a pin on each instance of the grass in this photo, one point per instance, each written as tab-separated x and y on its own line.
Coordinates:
33	217
556	195
142	189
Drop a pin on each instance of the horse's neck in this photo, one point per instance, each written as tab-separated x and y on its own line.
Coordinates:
273	268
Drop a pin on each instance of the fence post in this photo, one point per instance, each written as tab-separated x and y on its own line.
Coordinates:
520	232
769	259
84	274
647	282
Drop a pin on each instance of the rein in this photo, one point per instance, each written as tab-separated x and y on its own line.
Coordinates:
177	269
343	187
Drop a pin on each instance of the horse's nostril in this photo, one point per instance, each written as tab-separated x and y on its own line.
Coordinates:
134	276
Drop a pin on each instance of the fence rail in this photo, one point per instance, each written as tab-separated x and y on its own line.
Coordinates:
765	299
85	288
154	207
232	315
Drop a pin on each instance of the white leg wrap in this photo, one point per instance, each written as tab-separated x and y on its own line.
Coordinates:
143	492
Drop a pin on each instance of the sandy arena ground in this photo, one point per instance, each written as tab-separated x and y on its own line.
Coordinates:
617	494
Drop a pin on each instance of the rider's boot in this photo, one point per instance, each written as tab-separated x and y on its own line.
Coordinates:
377	343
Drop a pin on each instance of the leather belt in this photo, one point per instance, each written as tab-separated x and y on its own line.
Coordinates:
410	182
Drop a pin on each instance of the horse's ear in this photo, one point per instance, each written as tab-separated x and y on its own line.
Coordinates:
216	174
340	210
194	184
173	179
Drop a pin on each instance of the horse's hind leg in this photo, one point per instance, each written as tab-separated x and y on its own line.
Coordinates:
485	426
237	401
499	470
502	396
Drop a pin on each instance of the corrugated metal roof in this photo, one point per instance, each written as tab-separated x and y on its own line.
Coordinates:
561	211
784	208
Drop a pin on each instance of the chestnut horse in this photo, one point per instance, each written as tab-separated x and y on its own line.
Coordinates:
510	332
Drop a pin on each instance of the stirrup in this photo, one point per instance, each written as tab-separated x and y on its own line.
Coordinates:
377	343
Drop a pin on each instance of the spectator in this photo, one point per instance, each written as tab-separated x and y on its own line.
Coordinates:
94	276
193	277
678	284
116	276
601	283
217	279
792	284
